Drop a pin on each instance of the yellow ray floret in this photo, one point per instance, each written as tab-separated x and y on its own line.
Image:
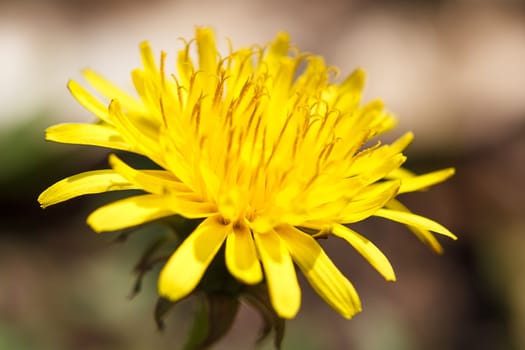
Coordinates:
262	146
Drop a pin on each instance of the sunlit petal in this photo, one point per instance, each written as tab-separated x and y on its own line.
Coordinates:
130	212
415	220
367	249
90	182
279	271
369	201
111	91
424	235
324	277
241	256
157	182
88	101
88	134
416	183
185	267
138	210
132	131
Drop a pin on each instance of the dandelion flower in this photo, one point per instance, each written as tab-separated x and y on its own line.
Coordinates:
262	146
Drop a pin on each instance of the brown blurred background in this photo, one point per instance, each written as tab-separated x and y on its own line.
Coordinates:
454	73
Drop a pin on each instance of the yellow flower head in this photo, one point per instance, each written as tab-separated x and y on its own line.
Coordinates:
263	147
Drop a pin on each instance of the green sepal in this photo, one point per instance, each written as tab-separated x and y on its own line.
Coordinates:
257	296
161	309
147	261
161	248
213	320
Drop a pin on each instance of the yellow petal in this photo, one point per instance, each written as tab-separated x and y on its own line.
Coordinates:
324	277
207	50
355	82
185	67
378	162
369	201
148	59
88	134
424	235
400	173
157	182
132	131
130	212
138	210
415	183
401	143
367	249
285	294
111	91
88	101
372	116
84	183
350	91
241	257
278	49
376	165
417	221
185	268
138	78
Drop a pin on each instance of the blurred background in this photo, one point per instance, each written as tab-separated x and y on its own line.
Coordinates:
453	72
